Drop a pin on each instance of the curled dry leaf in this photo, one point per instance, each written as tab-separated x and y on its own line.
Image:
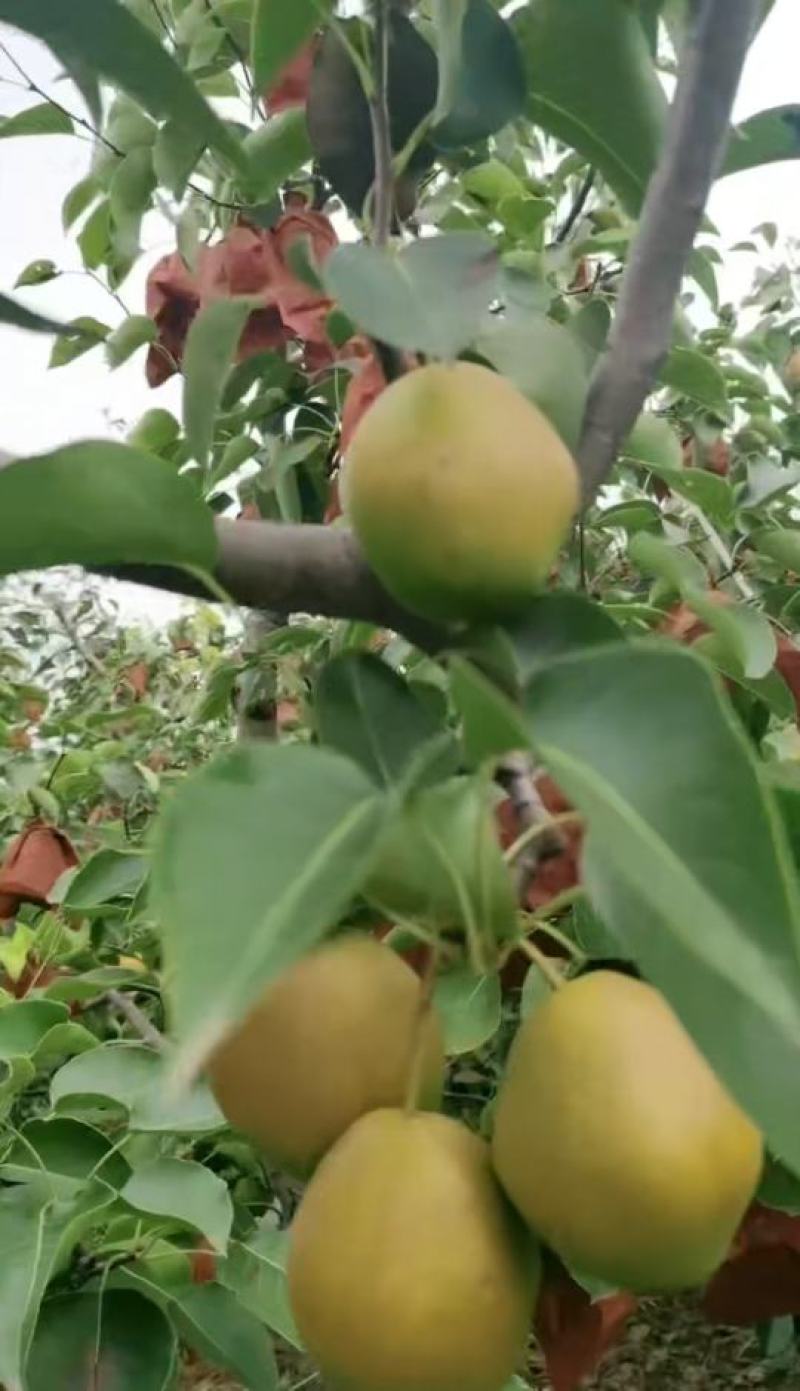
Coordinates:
575	1331
761	1278
136	678
247	261
290	87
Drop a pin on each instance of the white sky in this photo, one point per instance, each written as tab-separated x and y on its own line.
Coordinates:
41	409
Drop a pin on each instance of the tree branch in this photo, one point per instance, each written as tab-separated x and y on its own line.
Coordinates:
383	194
580	201
515	774
711	67
293	569
136	1018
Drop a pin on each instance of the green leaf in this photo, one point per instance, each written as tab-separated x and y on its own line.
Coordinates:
338	112
40	1029
746	635
712	494
448	19
107	875
94	238
19	317
78	199
490	722
86	333
698	377
591	326
64	1148
280	29
781	544
365	710
255	1271
536	989
545	362
489	81
37	1233
105	37
132	333
134	1077
275	151
678	567
100	503
210	347
129	197
44	119
592	83
210	1319
37	273
428	297
117	1338
555	625
766	138
185	1192
685	859
779	1189
766	479
176	152
272	842
470	1007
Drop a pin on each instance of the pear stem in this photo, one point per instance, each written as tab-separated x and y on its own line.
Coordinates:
551	974
563	940
538	830
427	982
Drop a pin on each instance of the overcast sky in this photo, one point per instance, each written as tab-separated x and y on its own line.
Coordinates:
41	409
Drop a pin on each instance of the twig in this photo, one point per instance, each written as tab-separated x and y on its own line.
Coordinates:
383	192
539	835
581	199
103	139
383	202
710	69
538	830
241	58
157	11
136	1018
73	633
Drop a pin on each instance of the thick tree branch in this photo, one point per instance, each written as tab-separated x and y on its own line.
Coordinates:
293	569
711	66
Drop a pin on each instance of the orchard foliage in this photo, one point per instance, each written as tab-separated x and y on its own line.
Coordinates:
160	874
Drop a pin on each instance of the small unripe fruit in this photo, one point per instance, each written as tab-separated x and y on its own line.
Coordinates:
335	1036
460	492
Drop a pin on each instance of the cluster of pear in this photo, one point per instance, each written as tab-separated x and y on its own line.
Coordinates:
414	1257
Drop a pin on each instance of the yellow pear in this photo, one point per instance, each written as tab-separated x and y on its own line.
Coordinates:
617	1142
408	1270
460	492
336	1035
